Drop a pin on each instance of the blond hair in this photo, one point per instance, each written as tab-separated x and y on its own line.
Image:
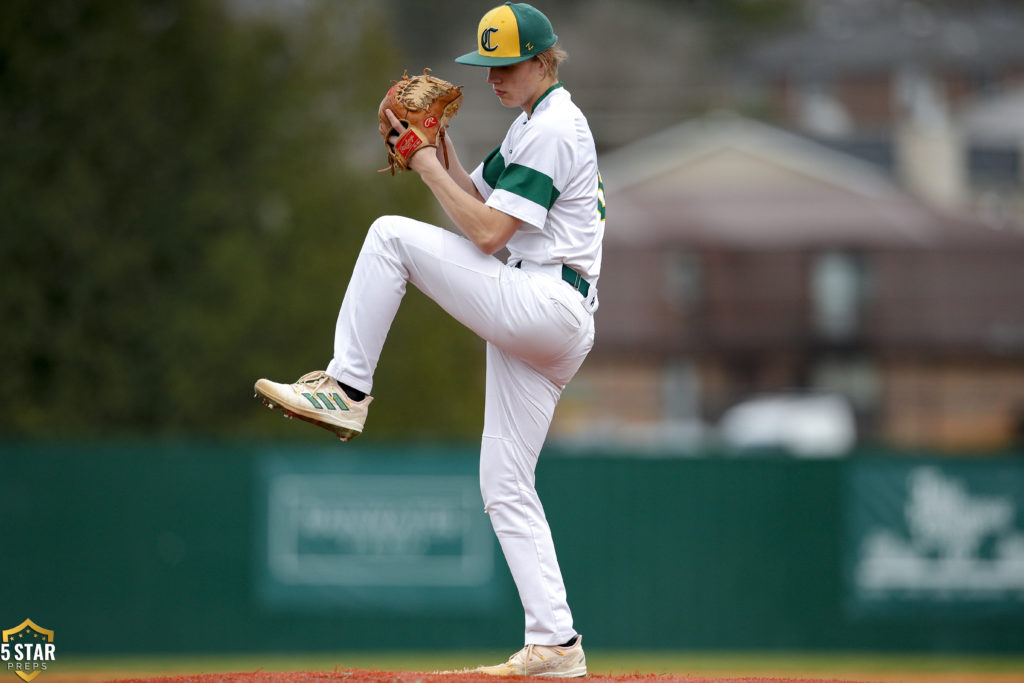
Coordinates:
551	58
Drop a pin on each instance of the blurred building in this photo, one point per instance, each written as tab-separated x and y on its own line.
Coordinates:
931	92
744	260
867	244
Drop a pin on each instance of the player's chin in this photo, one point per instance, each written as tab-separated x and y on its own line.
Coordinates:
505	98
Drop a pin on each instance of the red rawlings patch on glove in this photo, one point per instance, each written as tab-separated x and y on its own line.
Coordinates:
408	144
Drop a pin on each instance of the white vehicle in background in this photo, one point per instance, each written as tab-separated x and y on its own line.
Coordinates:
806	425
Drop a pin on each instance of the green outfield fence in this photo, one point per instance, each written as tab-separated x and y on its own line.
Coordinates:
123	548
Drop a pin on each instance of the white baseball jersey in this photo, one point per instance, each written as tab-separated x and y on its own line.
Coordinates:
545	174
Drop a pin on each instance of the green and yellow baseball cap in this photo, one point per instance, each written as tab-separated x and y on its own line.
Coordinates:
509	34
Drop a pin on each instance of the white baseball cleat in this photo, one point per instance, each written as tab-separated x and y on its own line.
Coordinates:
542	660
317	398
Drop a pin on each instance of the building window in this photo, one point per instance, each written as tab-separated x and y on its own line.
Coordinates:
838	289
682	281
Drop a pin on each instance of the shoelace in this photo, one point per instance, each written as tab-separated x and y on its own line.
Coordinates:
314	379
524	655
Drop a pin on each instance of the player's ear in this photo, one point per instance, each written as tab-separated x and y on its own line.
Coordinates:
543	65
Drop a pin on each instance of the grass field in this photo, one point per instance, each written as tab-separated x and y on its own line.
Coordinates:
868	668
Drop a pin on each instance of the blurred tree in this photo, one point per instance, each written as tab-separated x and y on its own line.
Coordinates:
182	196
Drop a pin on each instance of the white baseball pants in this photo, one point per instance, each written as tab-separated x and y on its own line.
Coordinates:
538	331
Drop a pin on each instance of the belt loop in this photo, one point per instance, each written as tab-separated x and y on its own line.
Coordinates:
574	278
570	275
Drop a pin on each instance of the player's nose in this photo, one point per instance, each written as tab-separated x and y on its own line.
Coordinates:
492	75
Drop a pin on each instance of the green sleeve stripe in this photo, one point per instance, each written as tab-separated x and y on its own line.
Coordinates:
494	165
528	184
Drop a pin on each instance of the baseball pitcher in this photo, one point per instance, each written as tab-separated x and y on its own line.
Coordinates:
538	193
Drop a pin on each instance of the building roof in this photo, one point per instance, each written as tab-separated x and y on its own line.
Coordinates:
731	182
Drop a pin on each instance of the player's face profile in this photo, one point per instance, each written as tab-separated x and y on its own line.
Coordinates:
516	84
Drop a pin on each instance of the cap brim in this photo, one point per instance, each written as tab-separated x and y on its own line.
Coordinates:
477	59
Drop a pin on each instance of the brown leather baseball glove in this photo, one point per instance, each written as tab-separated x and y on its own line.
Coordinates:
425	105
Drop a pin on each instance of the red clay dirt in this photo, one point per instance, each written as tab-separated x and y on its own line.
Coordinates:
412	677
360	676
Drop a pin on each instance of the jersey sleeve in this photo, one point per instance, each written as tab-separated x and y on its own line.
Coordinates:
527	183
480	173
